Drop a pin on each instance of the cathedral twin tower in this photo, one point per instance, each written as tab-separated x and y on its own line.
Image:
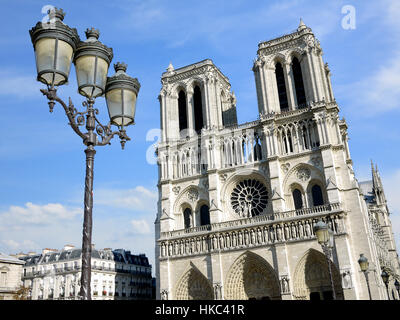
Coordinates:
238	202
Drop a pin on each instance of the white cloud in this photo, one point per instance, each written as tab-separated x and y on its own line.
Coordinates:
34	226
36	215
140	226
380	91
138	198
20	246
17	84
393	13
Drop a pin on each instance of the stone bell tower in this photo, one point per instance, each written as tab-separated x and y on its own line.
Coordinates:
193	98
238	202
290	73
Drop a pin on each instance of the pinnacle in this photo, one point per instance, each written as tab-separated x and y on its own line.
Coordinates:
301	25
170	67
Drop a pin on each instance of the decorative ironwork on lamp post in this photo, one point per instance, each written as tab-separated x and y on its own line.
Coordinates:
56	45
325	239
364	264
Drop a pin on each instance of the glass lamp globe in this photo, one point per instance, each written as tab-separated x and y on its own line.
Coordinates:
363	262
92	59
322	232
54	44
385	276
121	94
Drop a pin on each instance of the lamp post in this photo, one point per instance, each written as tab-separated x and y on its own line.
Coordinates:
56	45
364	264
397	286
325	239
385	278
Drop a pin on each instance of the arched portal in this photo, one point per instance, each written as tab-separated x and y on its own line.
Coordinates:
251	277
194	286
311	278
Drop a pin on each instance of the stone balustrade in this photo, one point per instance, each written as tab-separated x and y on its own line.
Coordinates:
295	225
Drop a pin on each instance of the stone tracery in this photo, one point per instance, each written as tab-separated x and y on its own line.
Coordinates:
251	277
194	286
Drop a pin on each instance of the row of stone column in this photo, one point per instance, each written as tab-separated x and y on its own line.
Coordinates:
316	79
295	230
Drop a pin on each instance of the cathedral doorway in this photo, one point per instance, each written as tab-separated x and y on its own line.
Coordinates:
251	277
312	281
194	286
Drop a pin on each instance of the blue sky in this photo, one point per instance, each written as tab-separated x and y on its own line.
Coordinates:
42	163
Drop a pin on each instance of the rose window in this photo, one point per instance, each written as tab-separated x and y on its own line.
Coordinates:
249	198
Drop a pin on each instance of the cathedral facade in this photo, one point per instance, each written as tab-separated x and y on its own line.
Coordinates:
238	202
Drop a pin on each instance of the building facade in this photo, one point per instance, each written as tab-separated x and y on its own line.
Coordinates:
238	202
10	276
116	274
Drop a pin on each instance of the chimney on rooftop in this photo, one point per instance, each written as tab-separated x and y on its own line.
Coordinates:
68	247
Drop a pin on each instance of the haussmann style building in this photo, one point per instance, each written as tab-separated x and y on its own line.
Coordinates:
238	202
116	274
10	276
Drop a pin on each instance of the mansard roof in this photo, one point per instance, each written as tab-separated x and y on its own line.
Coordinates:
118	255
9	259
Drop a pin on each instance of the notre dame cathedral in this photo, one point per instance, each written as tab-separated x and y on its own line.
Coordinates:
238	202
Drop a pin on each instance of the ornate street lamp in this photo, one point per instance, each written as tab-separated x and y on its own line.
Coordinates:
364	264
325	239
56	45
385	278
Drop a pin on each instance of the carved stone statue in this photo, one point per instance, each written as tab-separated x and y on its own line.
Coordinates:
286	232
308	230
240	238
164	295
294	232
259	236
301	231
278	233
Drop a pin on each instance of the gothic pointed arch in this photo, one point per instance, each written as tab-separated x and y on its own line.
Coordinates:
312	280
251	277
198	109
193	285
298	83
182	110
281	85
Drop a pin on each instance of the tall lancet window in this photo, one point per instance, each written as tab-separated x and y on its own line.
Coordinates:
187	218
317	195
298	83
204	215
198	109
297	199
183	124
280	82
